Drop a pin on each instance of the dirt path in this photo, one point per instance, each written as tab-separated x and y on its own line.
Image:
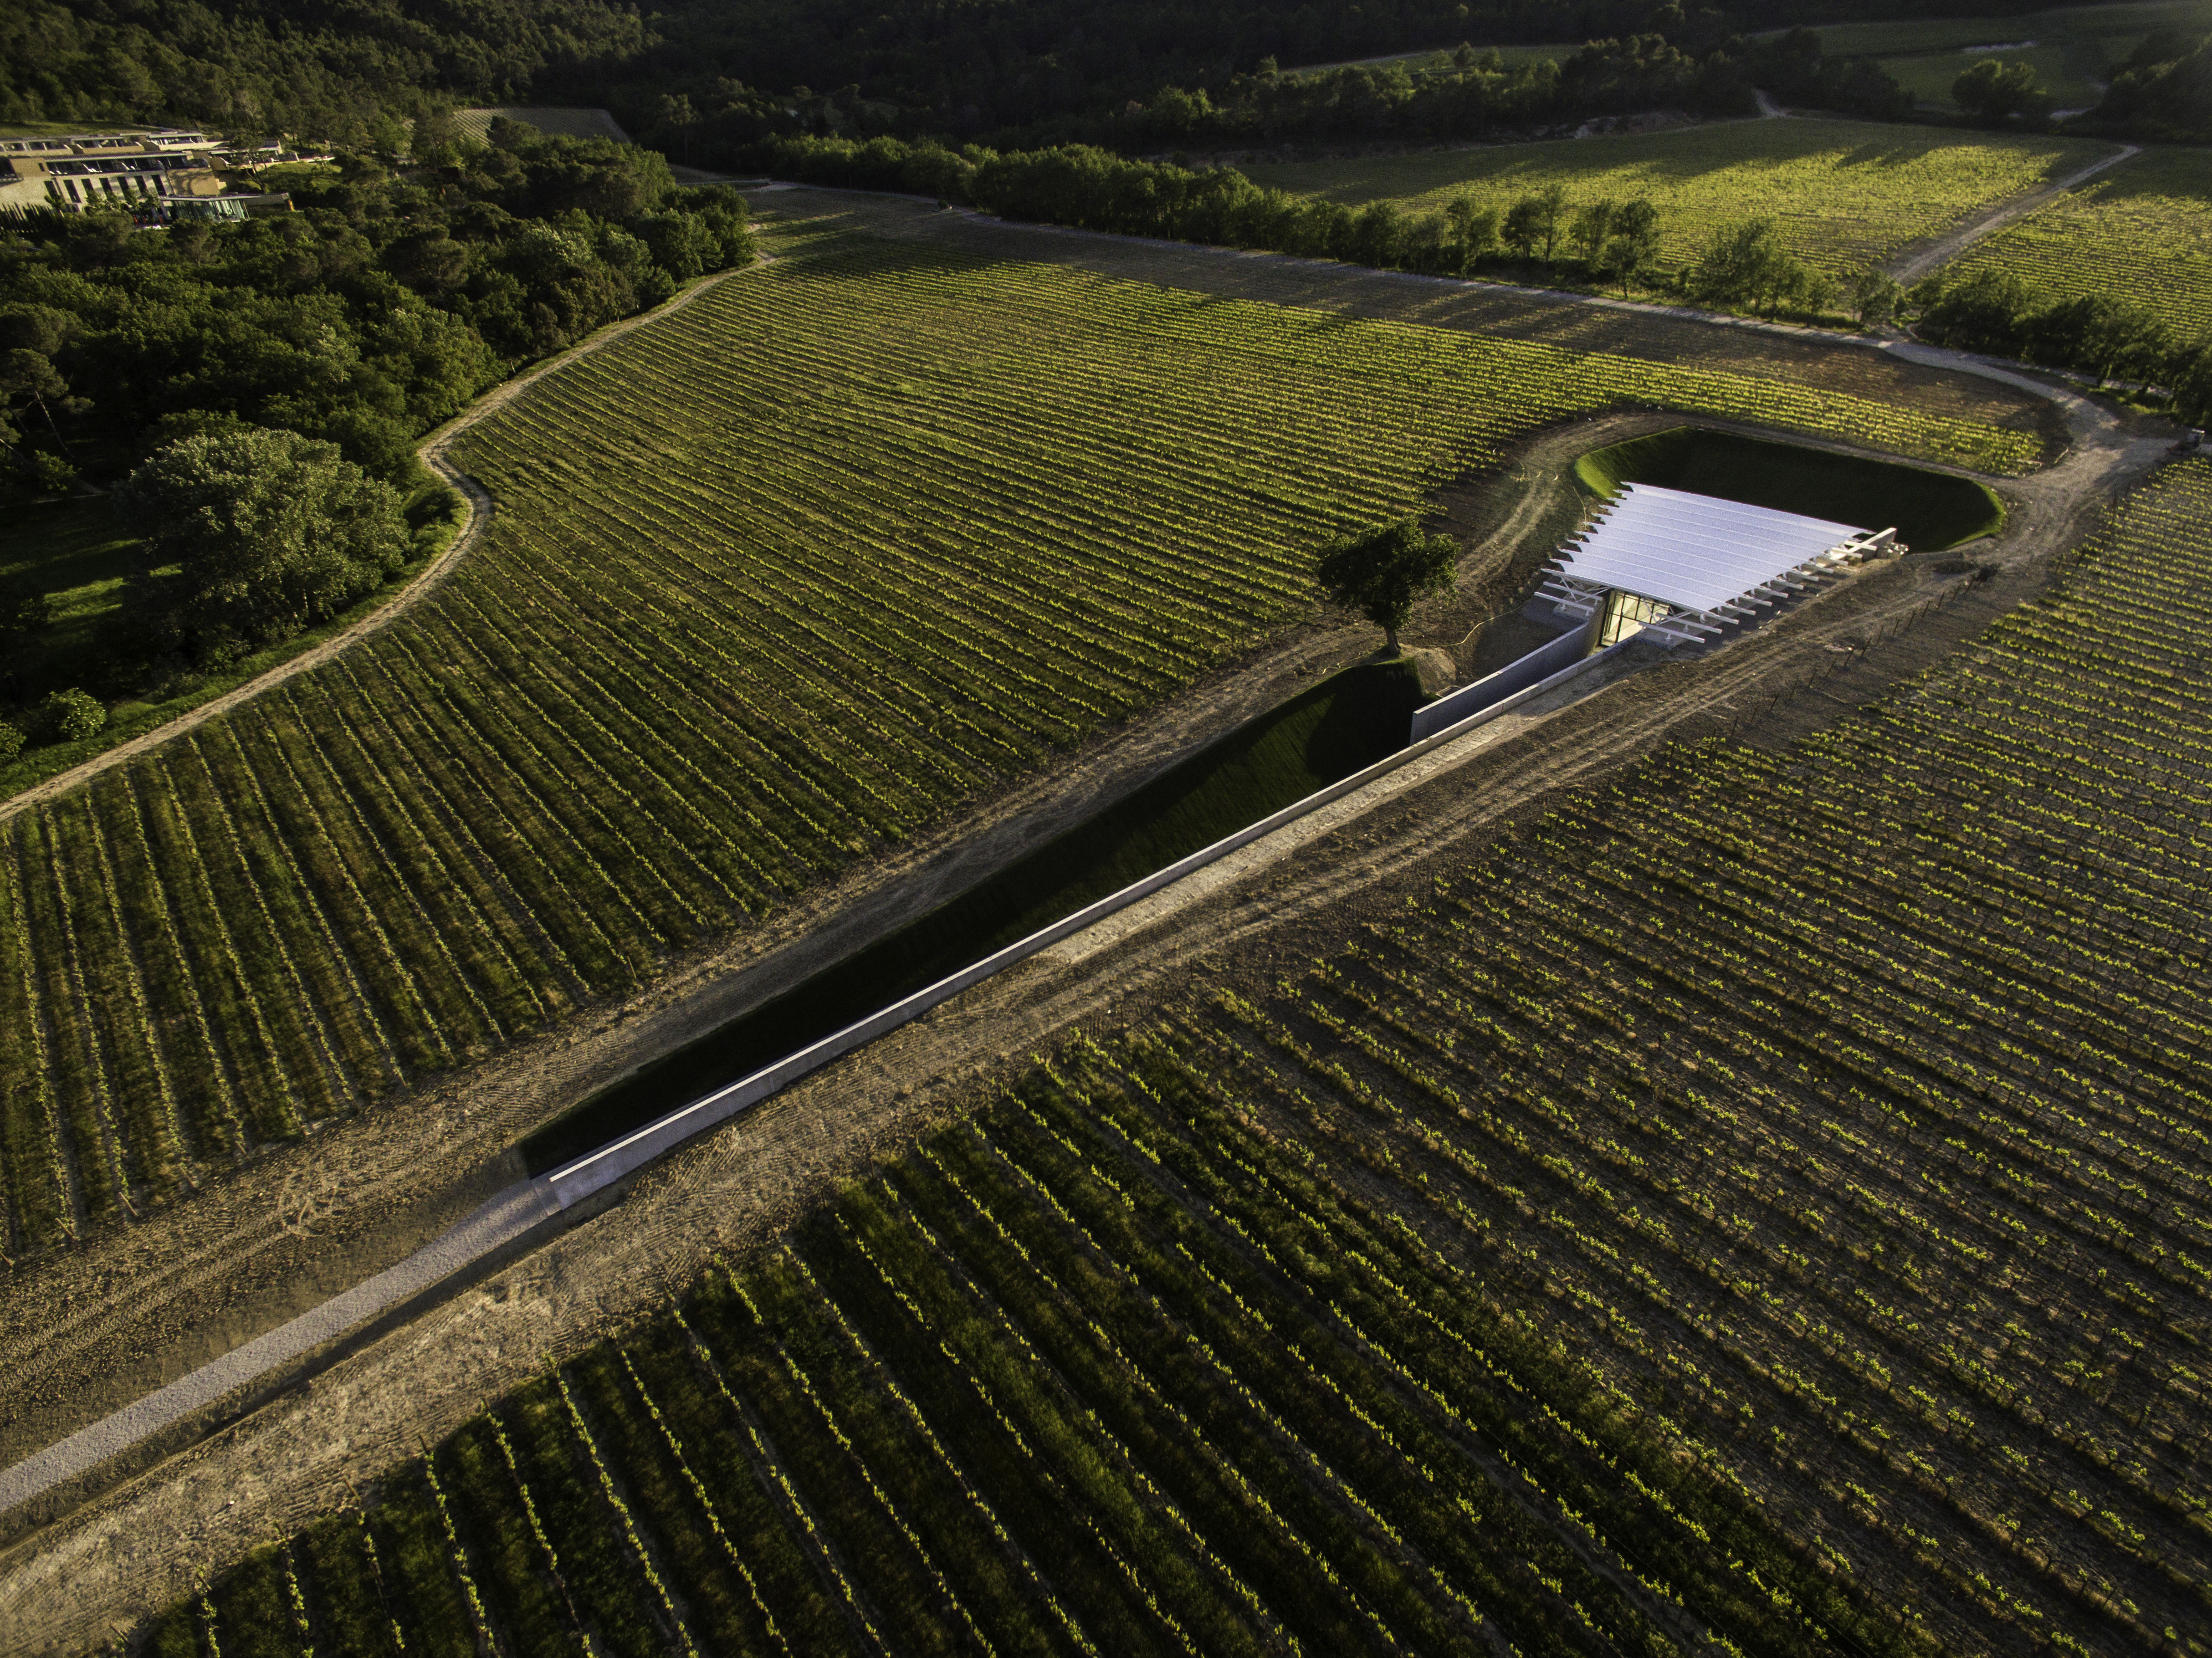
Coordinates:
1911	267
432	451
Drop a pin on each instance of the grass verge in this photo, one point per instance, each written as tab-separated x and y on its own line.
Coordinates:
71	533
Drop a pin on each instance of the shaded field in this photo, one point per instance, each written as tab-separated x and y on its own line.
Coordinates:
79	554
1847	194
1764	1199
2060	69
1439	59
1112	1368
775	582
1348	721
2074	49
1928	510
2141	233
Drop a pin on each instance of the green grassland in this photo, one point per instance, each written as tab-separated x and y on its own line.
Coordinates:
2142	233
2059	70
1417	64
1479	1281
2073	47
775	581
76	552
1846	194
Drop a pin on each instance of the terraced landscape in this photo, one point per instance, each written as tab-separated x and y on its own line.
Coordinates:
1846	195
1478	1275
2141	233
901	523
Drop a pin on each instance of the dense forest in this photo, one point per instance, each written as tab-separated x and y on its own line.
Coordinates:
378	309
344	72
1007	72
2164	91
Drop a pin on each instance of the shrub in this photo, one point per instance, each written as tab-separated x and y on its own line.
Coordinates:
12	740
70	716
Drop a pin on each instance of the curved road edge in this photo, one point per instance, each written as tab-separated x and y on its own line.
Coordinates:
477	507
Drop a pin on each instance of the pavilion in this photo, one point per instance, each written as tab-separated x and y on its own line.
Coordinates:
1684	568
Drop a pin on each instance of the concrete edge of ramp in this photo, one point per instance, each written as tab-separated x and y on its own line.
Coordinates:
531	1204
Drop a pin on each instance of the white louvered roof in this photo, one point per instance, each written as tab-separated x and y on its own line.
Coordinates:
1695	552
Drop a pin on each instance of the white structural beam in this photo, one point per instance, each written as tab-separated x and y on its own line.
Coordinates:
1700	553
1714	563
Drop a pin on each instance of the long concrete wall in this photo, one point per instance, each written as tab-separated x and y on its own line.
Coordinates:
532	1203
1509	680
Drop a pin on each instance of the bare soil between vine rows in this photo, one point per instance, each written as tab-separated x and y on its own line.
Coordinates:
88	1330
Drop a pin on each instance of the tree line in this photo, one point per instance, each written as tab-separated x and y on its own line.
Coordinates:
353	75
338	334
1746	265
1997	313
1598	239
1470	92
1016	74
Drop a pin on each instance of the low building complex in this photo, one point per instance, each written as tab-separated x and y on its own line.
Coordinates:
160	177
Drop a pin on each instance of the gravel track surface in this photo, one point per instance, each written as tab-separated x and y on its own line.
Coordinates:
1911	266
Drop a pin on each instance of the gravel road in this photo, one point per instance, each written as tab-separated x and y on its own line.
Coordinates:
1914	263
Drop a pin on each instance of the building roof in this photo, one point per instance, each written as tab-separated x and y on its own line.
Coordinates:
1695	552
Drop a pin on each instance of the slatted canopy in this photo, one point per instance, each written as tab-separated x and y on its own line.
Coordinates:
1695	552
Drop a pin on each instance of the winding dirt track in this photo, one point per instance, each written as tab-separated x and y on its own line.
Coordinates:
1911	267
432	451
96	1570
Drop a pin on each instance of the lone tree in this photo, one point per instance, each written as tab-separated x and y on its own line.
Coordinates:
1747	264
1997	92
1633	246
269	532
1384	572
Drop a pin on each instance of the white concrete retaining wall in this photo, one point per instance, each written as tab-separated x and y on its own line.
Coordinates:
1540	664
520	1207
